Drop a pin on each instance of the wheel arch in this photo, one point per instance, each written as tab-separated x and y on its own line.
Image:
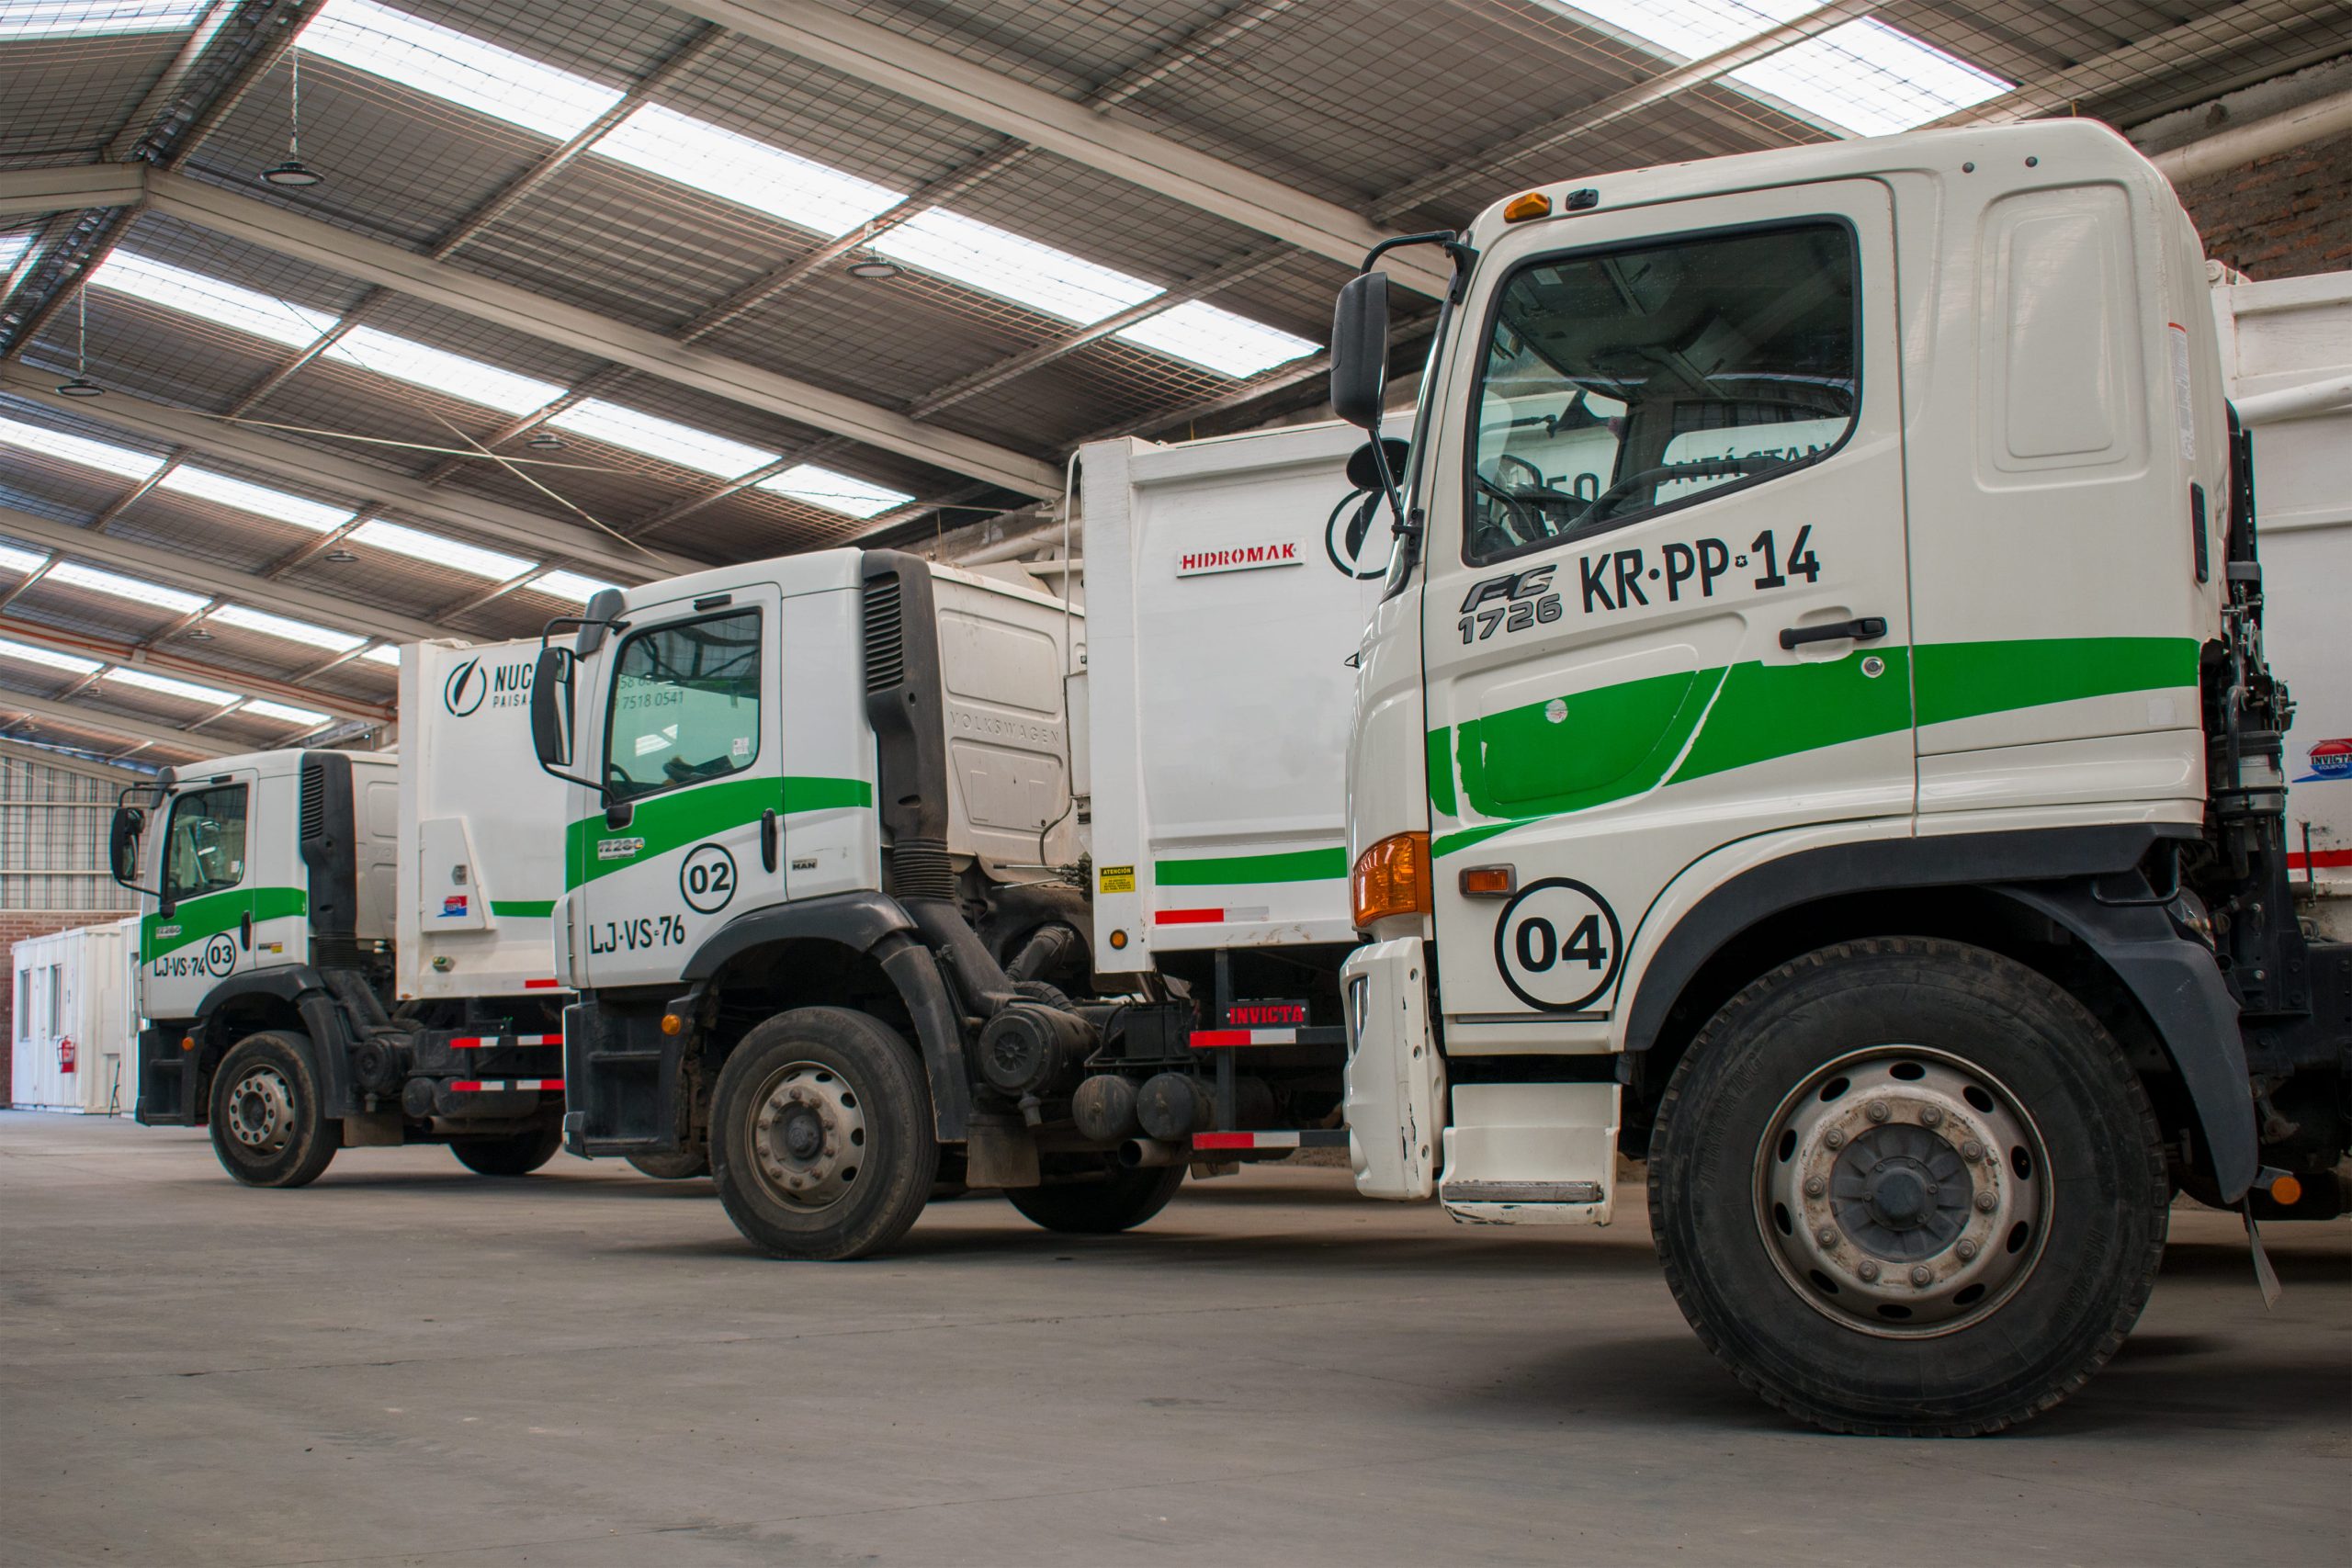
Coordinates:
2057	900
283	1001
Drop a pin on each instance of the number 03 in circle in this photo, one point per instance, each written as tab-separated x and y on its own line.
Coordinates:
1557	944
706	879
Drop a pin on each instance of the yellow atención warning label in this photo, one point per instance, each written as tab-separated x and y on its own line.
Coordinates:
1118	879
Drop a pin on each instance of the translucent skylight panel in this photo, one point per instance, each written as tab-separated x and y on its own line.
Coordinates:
147	681
1691	28
456	67
20	561
571	585
283	712
262	621
441	551
404	359
386	655
767	179
1217	339
995	262
1870	78
79	449
46	657
834	492
260	500
701	450
13	248
95	19
223	303
172	599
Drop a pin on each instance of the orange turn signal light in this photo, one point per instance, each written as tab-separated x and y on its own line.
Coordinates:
1533	204
673	1024
1119	939
2287	1191
1488	882
187	1042
1392	878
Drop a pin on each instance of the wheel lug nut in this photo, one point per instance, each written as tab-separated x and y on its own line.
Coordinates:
1923	1276
1827	1236
1966	1248
1972	1151
1987	1203
1834	1139
1814	1187
1931	1117
1868	1272
1876	1111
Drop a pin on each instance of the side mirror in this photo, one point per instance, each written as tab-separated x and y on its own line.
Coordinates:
1364	466
122	845
1360	350
551	706
605	607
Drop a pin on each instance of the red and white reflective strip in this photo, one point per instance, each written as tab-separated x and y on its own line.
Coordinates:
493	1042
2298	861
496	1086
1227	916
1204	1039
543	985
1245	1140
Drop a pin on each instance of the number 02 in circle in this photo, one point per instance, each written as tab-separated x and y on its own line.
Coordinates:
1557	944
707	878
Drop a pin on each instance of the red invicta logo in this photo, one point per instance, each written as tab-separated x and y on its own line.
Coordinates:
1241	557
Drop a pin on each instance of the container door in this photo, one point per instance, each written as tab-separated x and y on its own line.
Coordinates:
1666	597
205	927
694	836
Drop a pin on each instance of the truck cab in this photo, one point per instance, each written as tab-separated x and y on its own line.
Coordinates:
1816	740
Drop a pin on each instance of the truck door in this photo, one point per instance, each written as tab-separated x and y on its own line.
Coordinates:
694	832
1666	603
203	929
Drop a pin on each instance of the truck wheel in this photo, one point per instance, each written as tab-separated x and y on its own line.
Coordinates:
1121	1202
682	1165
820	1136
267	1128
1907	1187
508	1153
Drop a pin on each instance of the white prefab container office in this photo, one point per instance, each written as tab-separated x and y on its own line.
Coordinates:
73	1028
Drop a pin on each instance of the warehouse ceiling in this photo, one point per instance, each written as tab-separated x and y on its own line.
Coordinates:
327	326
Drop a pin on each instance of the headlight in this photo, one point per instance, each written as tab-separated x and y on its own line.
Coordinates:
1392	878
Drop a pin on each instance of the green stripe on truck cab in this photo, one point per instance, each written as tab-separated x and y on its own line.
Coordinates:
209	914
679	817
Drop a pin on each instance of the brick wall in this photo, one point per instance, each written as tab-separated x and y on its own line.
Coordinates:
15	925
2286	216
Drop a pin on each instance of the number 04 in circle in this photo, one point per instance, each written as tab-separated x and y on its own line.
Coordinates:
1557	945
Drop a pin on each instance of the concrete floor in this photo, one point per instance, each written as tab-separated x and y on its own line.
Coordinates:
407	1364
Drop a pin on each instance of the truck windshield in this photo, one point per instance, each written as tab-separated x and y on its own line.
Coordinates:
1619	383
685	704
204	850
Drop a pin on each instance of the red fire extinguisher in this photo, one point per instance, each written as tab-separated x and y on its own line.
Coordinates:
65	1055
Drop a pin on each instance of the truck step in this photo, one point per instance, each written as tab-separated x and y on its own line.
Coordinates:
1308	1034
1303	1138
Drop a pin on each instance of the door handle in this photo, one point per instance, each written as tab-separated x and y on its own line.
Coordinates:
1862	628
768	838
245	929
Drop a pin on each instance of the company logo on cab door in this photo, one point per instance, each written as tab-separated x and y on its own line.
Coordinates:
2329	759
1240	557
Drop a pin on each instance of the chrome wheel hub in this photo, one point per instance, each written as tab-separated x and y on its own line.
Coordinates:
261	1112
1902	1192
806	1135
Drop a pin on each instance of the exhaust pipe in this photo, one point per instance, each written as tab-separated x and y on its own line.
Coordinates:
1145	1153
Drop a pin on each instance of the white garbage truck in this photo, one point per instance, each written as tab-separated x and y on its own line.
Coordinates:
350	949
1817	737
886	879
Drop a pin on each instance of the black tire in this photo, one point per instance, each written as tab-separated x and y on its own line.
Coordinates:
833	1100
268	1126
509	1154
1121	1202
683	1166
2073	1217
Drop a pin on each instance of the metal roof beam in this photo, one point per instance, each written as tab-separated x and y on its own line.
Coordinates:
24	191
307	465
132	657
550	320
86	719
183	570
1122	148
